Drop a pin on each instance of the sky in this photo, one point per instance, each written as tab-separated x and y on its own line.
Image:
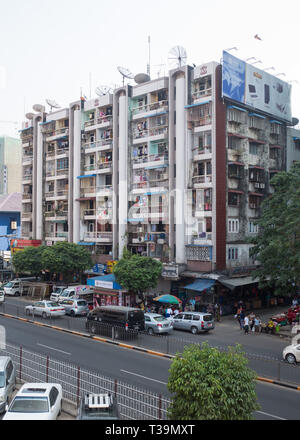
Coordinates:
57	48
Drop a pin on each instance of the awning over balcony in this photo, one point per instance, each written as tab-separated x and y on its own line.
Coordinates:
200	284
256	115
86	176
238	108
86	243
197	104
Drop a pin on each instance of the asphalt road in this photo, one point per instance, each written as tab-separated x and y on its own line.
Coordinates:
143	370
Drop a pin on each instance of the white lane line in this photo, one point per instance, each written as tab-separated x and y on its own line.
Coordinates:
51	348
144	377
270	415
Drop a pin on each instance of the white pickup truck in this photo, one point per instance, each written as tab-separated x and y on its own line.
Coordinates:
69	292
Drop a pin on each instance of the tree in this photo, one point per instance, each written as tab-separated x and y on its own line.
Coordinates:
66	258
277	245
211	385
29	260
137	274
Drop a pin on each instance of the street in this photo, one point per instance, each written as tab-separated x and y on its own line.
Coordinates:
151	372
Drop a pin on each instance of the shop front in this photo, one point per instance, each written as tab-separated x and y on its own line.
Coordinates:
199	294
108	292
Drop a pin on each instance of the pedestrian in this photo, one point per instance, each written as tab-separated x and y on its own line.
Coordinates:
251	321
246	325
242	319
257	324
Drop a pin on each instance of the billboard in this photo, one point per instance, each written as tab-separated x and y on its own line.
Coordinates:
255	88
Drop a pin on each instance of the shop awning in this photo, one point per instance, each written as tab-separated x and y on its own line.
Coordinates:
238	108
197	104
232	283
200	284
86	243
86	176
105	282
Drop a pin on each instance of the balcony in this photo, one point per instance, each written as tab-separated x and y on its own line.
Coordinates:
59	194
26	178
101	145
152	161
202	122
154	133
98	237
203	153
56	134
27	159
56	236
101	121
99	168
198	94
56	215
152	109
204	181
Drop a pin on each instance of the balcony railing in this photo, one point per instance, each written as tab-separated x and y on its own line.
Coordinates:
62	234
59	131
204	150
201	93
150	158
100	143
57	193
27	196
202	179
27	177
154	131
98	235
205	120
149	107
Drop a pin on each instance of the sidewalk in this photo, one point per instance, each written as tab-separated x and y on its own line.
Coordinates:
265	315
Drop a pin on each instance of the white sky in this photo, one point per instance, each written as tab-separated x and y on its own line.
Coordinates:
48	49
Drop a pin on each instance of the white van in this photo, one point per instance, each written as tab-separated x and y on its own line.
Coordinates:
70	292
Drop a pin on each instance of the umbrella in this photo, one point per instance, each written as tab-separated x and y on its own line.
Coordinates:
171	299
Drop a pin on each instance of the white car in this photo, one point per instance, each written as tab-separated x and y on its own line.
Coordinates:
46	309
36	401
291	353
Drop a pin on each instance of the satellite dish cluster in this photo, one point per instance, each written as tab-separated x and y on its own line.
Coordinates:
177	58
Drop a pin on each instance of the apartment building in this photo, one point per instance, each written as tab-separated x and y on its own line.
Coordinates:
174	168
10	165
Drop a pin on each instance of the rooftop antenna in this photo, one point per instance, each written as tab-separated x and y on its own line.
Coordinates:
149	48
177	57
52	104
102	90
125	73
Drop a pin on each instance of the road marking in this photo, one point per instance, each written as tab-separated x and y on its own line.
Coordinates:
51	348
144	377
270	415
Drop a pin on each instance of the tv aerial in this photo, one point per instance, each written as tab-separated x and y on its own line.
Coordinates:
125	73
177	57
52	104
38	108
103	90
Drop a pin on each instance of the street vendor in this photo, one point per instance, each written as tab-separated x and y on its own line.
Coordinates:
291	315
271	326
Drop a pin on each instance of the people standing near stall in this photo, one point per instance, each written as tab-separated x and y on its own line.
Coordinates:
246	325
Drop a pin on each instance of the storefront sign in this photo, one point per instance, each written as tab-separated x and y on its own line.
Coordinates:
19	245
104	284
170	271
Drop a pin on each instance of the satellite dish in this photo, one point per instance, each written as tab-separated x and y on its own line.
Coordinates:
177	57
125	73
102	90
141	78
52	104
29	116
295	121
38	108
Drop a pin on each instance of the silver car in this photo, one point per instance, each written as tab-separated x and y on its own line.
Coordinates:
7	380
46	309
75	307
194	322
155	323
1	295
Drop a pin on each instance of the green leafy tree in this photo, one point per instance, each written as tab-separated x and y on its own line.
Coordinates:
277	245
211	385
29	260
67	259
137	274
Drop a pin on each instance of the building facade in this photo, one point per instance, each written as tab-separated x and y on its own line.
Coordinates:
10	165
171	168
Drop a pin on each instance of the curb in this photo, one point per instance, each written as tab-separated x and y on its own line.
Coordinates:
85	335
133	347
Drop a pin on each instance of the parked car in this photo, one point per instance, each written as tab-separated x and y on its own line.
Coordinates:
155	323
75	307
46	309
103	319
98	407
194	322
7	380
291	353
2	296
36	401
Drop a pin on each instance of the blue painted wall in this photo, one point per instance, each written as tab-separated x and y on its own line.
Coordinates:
5	220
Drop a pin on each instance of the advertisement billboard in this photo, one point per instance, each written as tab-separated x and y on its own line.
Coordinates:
255	88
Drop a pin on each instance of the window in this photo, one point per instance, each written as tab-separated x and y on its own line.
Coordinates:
234	143
254	148
233	199
53	396
233	226
252	227
233	254
188	317
274	153
63	164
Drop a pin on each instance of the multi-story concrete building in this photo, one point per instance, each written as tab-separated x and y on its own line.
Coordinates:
174	168
10	165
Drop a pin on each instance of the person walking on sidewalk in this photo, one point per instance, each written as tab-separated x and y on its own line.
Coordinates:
242	319
246	325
